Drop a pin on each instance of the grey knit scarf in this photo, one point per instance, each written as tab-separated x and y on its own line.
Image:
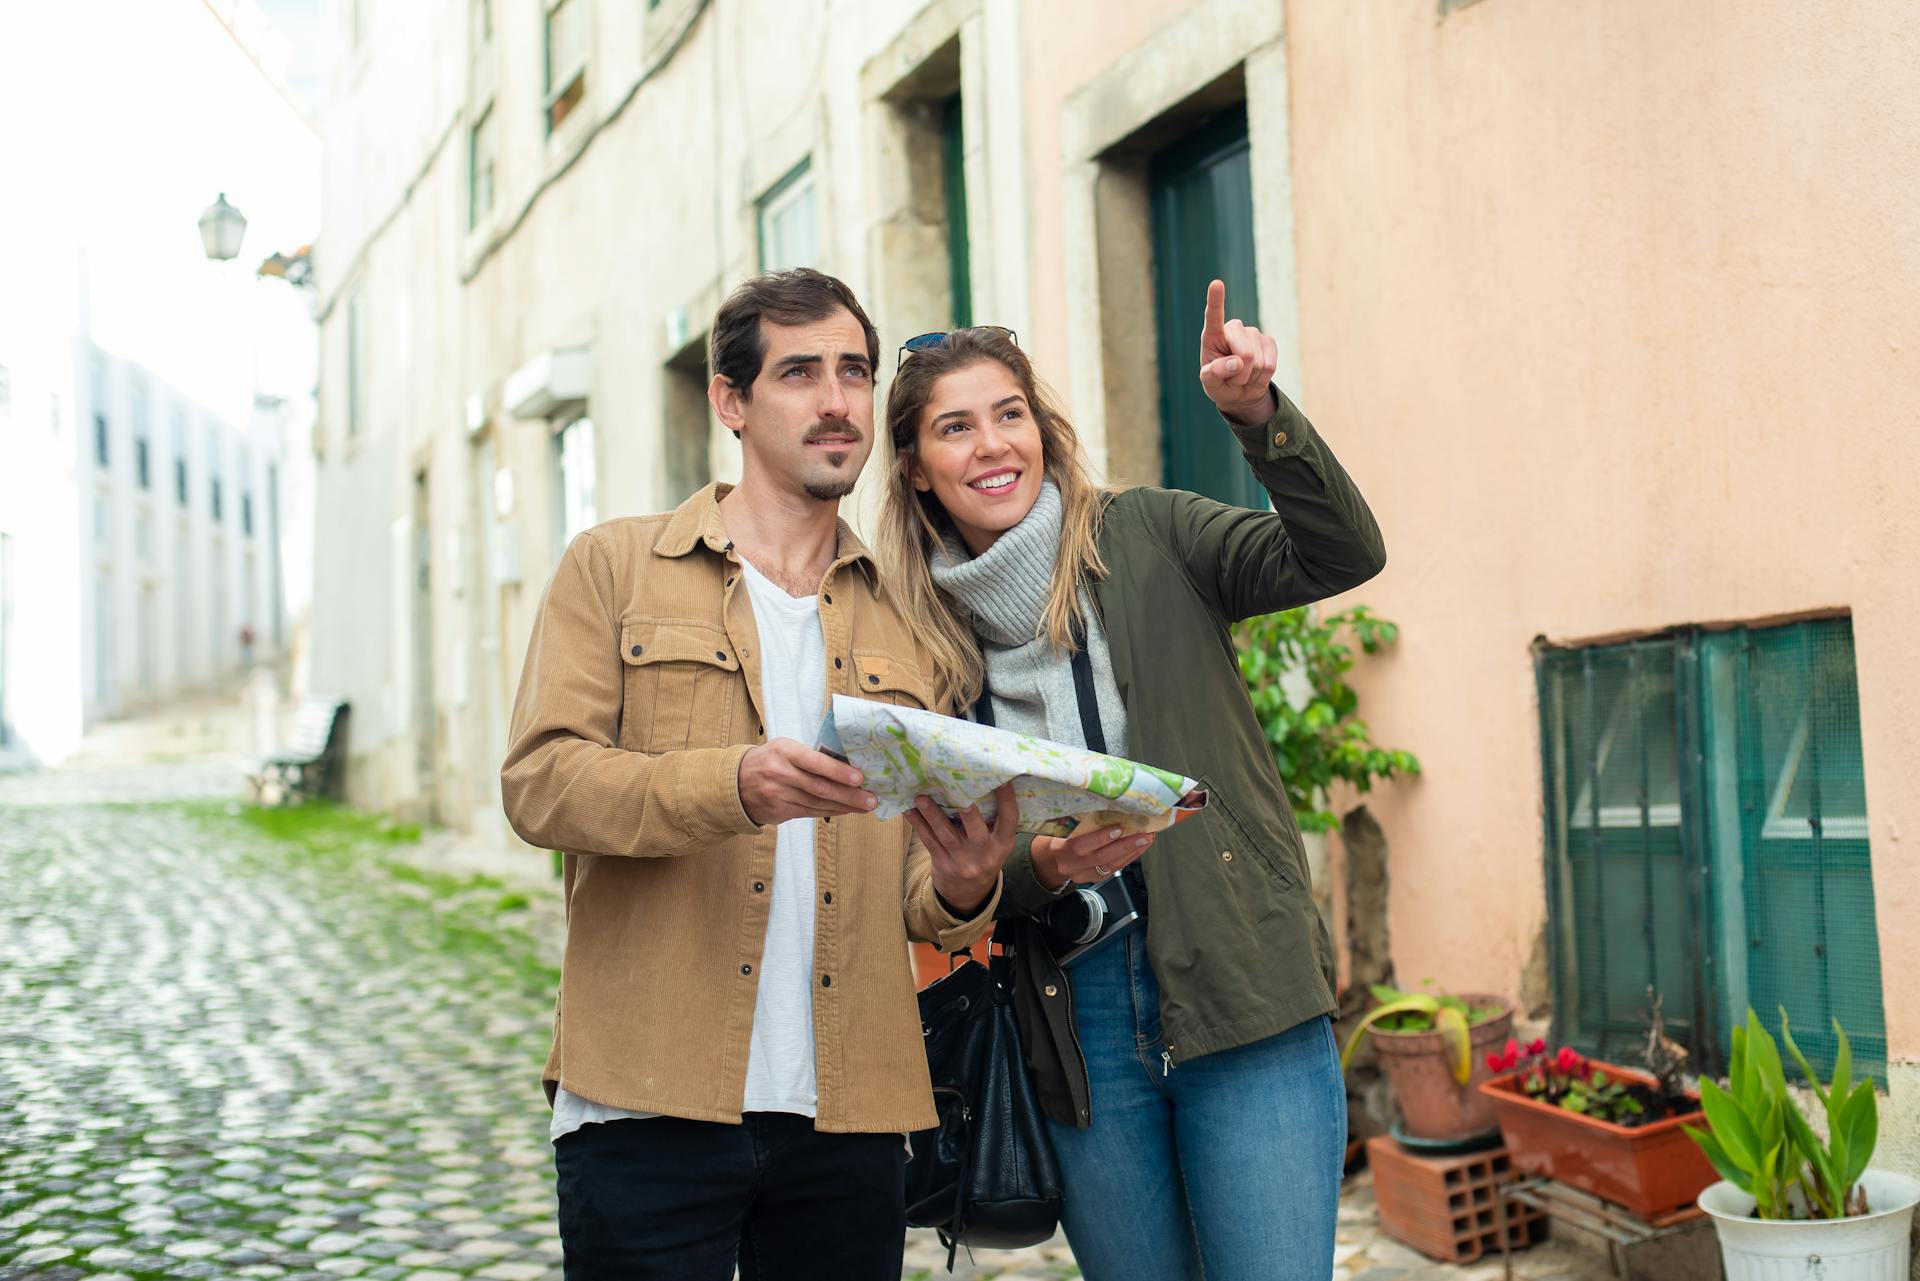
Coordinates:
1004	592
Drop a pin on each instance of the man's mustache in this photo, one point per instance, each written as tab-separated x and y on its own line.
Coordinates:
820	431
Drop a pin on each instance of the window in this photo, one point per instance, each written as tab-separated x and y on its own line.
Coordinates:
142	426
356	363
480	156
954	168
214	477
566	79
100	433
574	451
1707	838
246	514
789	236
180	459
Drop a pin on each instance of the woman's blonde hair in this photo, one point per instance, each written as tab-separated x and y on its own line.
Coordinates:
912	523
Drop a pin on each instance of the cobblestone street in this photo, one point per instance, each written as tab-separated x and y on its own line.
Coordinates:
244	1043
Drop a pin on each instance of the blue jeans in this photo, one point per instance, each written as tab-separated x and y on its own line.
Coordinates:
1225	1167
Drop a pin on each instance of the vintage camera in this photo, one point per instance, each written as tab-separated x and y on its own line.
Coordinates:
1089	917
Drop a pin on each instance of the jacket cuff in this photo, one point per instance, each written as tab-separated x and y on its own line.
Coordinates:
1285	435
953	933
1024	893
713	790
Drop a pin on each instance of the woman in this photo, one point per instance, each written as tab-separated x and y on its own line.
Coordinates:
1188	1070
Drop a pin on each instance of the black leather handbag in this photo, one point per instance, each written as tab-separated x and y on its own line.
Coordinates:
986	1174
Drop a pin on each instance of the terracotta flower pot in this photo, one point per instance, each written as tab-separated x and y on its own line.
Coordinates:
1652	1170
1432	1104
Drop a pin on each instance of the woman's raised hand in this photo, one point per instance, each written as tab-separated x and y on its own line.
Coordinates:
1236	362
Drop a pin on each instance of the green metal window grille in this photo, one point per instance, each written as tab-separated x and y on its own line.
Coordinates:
953	162
1707	840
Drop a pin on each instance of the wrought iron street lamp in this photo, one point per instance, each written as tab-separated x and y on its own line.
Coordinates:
221	228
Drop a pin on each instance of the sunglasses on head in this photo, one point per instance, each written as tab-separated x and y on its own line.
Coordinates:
927	342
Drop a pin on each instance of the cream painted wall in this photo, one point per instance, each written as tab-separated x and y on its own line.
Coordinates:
1613	311
1067	45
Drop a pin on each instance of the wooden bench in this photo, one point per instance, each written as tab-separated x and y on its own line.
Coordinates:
313	764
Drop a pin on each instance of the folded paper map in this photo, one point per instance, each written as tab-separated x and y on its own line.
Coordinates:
905	753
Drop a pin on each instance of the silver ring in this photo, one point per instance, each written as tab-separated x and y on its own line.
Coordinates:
1103	871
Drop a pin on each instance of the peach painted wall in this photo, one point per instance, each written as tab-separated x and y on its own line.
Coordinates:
1065	45
1614	309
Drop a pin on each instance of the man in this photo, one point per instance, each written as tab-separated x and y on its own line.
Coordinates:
737	1049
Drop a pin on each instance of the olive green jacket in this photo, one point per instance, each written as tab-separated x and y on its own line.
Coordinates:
1234	938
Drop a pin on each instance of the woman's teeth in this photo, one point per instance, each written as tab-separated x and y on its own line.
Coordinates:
996	482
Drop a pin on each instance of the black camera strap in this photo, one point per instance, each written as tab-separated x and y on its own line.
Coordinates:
1083	694
1096	738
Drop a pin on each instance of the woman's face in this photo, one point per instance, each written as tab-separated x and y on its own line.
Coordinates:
979	451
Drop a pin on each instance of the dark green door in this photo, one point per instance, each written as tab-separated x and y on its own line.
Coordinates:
1202	190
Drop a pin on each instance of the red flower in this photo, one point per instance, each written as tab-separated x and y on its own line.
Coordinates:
1496	1063
1566	1061
1537	1047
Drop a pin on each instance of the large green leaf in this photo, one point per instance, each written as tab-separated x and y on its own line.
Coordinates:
1860	1122
1800	1061
1731	1127
1740	1077
1822	1189
1451	1024
1417	1003
1742	1179
1842	1066
1764	1057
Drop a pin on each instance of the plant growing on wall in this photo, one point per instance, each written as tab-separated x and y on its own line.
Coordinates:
1316	739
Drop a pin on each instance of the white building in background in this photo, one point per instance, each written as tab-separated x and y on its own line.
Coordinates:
179	530
140	546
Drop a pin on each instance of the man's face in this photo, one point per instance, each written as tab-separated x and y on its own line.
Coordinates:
809	423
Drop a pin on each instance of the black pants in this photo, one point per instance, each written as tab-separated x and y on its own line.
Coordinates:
683	1200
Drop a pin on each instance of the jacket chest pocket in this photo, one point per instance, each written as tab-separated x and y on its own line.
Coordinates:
682	680
886	679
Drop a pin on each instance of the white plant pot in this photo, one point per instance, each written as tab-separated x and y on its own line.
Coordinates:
1869	1247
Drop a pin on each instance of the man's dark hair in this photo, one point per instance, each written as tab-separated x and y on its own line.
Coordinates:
785	298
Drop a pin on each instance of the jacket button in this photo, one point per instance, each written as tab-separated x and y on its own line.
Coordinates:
729	582
828	596
720	654
1227	855
837	664
636	651
1052	990
873	680
746	969
759	887
828	896
1280	438
826	980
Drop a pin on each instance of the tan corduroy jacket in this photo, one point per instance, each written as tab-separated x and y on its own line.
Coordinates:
640	696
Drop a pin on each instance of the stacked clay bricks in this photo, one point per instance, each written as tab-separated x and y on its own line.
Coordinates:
1448	1207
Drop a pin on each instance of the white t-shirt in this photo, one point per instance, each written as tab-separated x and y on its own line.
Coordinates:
793	691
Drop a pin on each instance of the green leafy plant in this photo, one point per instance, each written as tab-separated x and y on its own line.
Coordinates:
1315	744
1760	1143
1450	1016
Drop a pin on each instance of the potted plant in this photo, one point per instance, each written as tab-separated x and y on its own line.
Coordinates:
1789	1203
1607	1130
1433	1049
